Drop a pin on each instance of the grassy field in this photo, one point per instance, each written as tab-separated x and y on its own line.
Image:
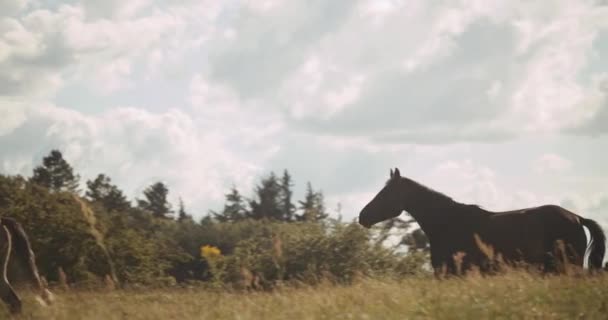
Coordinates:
514	296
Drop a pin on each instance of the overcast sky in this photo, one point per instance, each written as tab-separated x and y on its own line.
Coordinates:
499	103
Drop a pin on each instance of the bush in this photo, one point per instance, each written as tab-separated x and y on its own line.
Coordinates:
263	254
90	242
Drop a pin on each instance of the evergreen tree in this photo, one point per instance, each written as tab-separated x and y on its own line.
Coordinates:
103	191
156	200
234	208
207	221
320	210
313	206
56	174
287	207
267	203
182	215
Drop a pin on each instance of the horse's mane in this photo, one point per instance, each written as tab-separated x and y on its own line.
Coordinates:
446	200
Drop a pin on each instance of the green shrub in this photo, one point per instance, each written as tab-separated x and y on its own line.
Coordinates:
274	252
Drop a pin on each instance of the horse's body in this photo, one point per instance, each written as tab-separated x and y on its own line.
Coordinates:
535	236
14	242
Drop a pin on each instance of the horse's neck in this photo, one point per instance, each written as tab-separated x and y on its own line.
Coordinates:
431	211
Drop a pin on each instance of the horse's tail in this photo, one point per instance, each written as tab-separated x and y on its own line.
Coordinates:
23	249
597	244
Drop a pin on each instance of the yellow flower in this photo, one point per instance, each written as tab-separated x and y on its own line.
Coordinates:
210	252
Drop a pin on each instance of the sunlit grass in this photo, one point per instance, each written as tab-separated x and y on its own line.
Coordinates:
513	296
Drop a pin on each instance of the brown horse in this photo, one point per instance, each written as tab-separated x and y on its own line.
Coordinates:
14	239
531	235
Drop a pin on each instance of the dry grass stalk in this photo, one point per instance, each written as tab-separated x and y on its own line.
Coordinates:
458	258
110	284
63	279
249	280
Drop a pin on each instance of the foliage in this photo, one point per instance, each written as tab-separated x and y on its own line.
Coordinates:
56	174
60	233
304	252
182	215
286	205
234	208
267	204
313	207
260	243
156	200
103	191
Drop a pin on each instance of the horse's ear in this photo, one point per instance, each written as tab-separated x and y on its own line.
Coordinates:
397	174
392	174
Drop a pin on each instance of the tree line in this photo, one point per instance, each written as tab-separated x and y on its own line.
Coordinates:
273	197
97	232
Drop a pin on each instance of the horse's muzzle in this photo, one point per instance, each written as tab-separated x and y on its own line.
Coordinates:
364	223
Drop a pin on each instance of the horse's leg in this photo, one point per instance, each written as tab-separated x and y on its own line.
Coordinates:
577	247
7	294
438	262
442	262
550	260
24	250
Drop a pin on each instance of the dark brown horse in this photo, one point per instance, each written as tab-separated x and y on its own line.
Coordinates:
13	240
532	235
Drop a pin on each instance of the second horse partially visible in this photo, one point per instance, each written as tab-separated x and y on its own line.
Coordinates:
531	235
15	243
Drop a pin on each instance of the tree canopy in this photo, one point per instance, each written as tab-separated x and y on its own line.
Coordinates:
56	174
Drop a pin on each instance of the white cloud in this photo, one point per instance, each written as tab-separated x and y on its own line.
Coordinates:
592	206
12	6
114	8
469	182
268	45
527	59
221	109
225	90
596	103
114	75
12	115
320	89
345	95
349	204
262	6
136	148
549	96
551	162
101	45
446	25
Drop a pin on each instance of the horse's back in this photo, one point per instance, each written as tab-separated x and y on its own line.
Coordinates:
532	231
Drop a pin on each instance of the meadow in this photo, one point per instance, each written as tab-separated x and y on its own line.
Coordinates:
516	295
259	257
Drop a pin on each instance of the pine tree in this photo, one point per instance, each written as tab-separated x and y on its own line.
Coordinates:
102	190
234	208
313	206
182	215
287	207
320	210
267	203
56	174
156	200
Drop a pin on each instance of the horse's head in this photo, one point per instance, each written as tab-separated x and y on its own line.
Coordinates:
386	204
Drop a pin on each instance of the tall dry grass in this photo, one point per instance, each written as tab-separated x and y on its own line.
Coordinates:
515	295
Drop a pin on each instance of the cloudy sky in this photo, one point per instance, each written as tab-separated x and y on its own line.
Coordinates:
500	103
